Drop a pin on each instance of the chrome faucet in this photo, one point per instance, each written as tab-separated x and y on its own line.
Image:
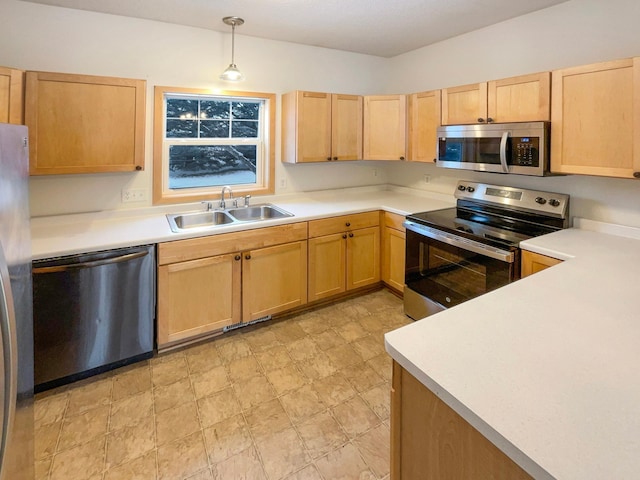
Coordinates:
223	205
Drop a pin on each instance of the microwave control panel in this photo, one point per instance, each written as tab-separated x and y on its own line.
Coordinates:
526	151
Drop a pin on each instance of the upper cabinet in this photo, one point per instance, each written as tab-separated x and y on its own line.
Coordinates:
524	98
595	115
424	120
385	127
84	124
321	127
11	97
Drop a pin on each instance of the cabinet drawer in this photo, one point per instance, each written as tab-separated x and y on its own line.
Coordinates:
393	220
328	226
193	248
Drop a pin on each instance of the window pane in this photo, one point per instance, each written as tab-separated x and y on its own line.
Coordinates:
244	129
179	108
214	129
182	128
213	109
211	165
246	110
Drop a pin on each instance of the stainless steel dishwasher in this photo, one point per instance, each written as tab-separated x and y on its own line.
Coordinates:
92	312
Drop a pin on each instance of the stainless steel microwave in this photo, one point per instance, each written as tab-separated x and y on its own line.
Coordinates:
521	148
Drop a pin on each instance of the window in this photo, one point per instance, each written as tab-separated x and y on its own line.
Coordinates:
204	140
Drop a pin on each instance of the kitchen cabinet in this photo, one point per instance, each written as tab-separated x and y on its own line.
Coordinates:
84	124
208	283
424	120
430	441
344	254
11	95
525	98
320	127
385	127
393	251
534	262
595	119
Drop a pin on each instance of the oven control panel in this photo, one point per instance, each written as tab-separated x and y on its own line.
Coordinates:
547	203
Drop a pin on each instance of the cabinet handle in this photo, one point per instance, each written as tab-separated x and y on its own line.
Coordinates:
489	120
335	158
138	167
351	235
344	235
435	160
237	257
328	159
348	224
247	257
480	120
636	174
401	158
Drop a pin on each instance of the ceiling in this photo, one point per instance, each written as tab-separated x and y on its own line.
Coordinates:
383	28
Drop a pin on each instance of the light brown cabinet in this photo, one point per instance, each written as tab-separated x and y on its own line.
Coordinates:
393	251
320	127
534	262
11	95
424	120
344	254
430	441
595	119
525	98
385	127
208	283
84	124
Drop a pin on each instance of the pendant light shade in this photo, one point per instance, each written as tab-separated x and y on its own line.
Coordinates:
232	74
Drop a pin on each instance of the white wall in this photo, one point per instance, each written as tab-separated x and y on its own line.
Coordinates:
573	33
39	37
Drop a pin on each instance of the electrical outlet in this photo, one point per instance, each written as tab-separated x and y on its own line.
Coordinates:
134	195
427	178
283	183
375	172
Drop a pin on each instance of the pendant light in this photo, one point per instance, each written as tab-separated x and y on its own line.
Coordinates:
232	74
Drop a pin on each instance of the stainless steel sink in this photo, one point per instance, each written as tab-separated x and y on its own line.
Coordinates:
265	211
185	221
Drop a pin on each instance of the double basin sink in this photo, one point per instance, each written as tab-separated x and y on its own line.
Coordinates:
180	222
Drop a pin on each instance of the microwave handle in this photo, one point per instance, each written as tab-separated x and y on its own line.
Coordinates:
503	152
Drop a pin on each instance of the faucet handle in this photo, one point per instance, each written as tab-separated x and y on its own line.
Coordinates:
208	204
246	200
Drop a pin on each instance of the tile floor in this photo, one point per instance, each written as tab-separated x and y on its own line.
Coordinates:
306	397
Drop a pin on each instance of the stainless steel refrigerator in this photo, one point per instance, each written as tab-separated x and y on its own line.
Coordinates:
16	309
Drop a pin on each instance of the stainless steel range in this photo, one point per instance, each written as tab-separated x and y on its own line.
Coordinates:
456	254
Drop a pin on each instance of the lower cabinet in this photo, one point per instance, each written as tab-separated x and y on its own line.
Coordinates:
208	283
534	262
393	251
430	441
344	254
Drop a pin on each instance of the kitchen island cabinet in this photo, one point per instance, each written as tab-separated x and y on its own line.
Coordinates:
208	283
11	95
385	127
532	262
591	103
430	441
393	251
344	254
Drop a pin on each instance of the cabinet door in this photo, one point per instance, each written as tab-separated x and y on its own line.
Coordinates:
363	257
346	127
198	297
385	127
84	124
393	258
595	119
520	99
424	120
307	127
11	95
274	279
466	104
327	263
534	262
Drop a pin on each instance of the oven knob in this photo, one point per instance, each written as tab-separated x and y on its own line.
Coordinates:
471	189
553	202
462	188
541	200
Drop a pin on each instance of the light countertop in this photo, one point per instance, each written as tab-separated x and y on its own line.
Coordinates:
88	232
548	367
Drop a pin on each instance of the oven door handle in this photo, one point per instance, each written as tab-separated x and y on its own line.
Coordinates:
503	151
460	242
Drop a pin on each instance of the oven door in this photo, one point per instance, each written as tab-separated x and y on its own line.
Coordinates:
443	270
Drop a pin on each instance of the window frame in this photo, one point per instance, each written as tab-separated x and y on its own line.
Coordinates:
161	192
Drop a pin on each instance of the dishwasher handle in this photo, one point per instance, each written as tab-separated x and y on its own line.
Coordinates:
90	264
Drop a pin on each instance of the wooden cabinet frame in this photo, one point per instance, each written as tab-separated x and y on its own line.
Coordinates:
11	96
